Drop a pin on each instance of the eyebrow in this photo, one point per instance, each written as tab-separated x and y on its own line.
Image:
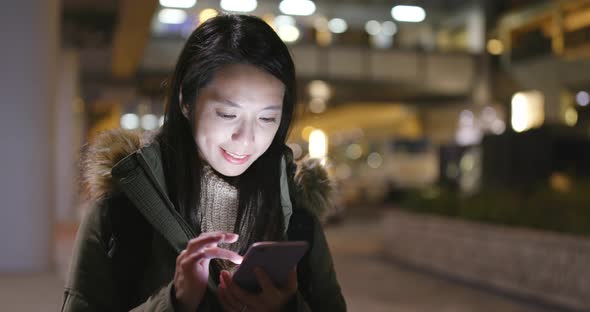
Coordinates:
233	104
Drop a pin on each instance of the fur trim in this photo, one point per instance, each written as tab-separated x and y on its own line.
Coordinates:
313	188
107	150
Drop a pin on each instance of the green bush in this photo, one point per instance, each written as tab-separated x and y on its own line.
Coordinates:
542	208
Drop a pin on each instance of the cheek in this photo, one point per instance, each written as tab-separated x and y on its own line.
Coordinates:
210	132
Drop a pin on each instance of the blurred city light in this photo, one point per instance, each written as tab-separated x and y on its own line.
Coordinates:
469	131
495	47
374	160
466	118
408	13
468	135
373	27
318	144
388	28
488	114
319	89
337	25
381	41
560	182
297	7
582	98
467	162
282	20
172	16
149	121
354	151
571	116
381	33
527	110
239	5
285	27
207	14
180	4
288	33
498	126
130	121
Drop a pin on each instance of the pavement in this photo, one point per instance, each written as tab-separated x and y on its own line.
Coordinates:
369	282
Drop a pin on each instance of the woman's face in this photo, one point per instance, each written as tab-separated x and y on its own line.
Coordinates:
237	114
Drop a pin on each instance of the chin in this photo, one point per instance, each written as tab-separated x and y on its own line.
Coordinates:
231	172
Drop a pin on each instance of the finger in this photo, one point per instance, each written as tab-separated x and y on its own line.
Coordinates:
188	262
266	284
222	253
203	241
180	257
229	299
211	238
228	237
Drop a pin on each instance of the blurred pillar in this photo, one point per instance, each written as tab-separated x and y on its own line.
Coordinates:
29	56
69	108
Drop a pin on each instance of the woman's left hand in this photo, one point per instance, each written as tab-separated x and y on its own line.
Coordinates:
270	298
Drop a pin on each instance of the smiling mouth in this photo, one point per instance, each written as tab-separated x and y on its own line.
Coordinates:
234	158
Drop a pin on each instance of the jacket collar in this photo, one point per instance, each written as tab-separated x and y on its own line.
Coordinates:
118	158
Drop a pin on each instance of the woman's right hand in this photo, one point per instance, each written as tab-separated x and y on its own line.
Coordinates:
192	266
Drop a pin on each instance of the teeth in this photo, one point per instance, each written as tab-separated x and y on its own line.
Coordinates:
236	155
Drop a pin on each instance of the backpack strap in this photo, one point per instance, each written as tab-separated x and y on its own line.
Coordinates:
138	183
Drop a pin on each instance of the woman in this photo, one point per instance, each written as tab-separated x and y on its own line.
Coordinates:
174	212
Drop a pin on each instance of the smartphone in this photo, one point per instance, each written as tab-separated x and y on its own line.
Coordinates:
277	259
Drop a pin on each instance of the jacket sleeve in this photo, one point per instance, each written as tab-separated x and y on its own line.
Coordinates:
90	285
325	294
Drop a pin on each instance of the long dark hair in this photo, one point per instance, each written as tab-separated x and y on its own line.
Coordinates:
224	40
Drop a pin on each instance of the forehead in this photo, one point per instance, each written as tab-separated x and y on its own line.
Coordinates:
246	83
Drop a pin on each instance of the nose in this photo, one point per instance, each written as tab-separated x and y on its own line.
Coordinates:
244	134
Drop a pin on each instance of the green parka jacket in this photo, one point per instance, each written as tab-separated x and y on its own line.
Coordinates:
126	247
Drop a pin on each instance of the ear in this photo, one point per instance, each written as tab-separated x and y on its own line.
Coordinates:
183	107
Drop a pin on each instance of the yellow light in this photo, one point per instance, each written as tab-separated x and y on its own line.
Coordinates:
571	117
495	47
306	132
207	14
323	38
519	112
527	110
560	182
318	144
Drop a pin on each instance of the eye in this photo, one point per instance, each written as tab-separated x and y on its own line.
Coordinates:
225	116
268	119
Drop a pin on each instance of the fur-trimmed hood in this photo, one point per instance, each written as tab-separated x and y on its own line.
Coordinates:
313	188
